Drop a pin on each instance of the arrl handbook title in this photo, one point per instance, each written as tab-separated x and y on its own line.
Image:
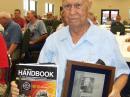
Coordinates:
36	80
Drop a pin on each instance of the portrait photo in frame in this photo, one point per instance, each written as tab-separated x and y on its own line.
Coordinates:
87	80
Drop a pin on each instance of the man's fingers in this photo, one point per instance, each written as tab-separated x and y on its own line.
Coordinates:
13	84
14	89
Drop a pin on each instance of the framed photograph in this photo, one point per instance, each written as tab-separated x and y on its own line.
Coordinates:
87	80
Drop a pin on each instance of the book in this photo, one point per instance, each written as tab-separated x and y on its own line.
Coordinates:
36	80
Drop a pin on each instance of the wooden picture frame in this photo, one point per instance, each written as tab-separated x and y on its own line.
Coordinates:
87	80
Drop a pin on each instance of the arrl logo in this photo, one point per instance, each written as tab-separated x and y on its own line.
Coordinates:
26	86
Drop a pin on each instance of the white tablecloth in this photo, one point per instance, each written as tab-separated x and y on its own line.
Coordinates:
123	46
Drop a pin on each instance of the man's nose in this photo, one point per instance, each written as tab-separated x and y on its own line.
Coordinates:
72	10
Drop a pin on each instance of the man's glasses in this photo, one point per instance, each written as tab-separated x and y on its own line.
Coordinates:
69	6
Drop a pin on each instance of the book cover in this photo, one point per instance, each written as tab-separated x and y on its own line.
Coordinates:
36	80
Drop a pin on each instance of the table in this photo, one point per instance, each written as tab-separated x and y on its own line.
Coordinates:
123	46
127	30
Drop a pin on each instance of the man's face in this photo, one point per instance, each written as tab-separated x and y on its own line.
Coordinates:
75	12
17	14
3	21
29	15
118	18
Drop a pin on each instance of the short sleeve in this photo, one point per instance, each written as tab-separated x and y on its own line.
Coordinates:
118	61
42	27
48	51
17	34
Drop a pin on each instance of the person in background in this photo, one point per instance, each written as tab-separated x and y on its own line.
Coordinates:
12	34
37	28
50	16
117	26
18	19
38	33
81	41
108	22
3	65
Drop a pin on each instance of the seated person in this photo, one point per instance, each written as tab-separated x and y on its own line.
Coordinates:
12	34
3	65
117	26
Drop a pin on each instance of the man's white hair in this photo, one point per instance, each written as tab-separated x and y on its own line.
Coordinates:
5	15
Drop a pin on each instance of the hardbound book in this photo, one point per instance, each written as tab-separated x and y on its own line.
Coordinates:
36	80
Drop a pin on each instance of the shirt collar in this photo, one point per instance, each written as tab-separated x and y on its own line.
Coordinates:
89	35
64	33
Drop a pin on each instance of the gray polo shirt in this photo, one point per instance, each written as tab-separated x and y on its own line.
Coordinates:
37	29
12	33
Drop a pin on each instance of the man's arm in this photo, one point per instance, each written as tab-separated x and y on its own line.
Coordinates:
12	48
43	33
119	85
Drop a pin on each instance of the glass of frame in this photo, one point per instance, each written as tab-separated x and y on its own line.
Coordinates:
87	80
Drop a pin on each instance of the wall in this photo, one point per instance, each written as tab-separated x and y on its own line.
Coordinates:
10	5
41	3
122	5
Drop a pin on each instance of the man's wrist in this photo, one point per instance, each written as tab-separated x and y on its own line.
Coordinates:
116	89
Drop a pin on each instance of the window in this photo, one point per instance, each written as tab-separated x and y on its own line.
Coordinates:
32	5
107	15
49	7
29	5
46	7
25	6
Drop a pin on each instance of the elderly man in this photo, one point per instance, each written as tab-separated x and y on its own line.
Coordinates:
12	33
82	41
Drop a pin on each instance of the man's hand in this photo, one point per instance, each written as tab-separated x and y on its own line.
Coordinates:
3	88
12	48
31	42
14	89
119	84
128	48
